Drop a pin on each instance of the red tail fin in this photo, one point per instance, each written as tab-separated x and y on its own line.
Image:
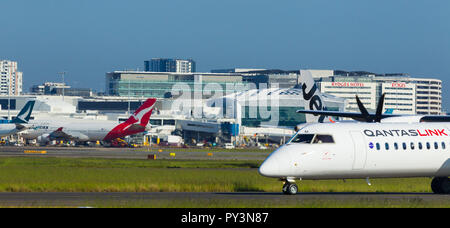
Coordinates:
135	124
143	113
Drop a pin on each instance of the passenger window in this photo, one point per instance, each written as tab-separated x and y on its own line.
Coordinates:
428	146
396	146
436	146
323	139
303	138
420	146
443	145
412	146
387	146
378	146
404	146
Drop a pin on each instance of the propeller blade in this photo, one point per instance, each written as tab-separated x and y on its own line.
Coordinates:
379	113
363	109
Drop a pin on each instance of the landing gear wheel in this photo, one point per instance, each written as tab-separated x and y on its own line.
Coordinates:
285	188
293	189
440	185
435	185
445	186
290	189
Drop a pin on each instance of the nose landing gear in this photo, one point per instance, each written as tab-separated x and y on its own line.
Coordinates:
440	185
290	188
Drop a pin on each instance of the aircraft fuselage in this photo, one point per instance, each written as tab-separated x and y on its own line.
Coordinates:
363	150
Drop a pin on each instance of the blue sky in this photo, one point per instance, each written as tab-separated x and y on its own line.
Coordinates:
89	38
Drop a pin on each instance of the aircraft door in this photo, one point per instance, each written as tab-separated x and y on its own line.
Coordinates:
359	150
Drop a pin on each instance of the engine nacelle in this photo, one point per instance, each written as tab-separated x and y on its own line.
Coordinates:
45	138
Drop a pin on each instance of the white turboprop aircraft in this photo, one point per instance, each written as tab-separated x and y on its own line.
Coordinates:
363	150
386	146
89	130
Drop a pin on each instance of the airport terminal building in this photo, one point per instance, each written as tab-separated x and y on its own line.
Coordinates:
269	107
222	113
163	84
404	94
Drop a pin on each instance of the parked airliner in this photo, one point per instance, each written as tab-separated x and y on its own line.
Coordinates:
11	127
380	145
89	130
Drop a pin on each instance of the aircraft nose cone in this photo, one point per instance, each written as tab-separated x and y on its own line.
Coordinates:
269	168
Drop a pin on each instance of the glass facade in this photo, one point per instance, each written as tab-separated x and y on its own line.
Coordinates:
5	104
164	89
109	105
158	89
288	117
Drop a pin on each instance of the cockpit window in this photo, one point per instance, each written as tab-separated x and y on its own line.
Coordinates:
303	138
323	139
312	138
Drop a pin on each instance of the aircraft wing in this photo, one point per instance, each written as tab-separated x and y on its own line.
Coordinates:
67	135
435	119
353	115
10	129
280	127
275	131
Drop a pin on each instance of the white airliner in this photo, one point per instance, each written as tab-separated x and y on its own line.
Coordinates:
363	150
89	130
382	146
11	127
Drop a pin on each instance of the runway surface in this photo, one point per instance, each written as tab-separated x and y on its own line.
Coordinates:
89	199
137	153
167	199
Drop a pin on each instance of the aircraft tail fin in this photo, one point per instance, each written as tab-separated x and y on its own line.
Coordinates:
25	113
142	115
136	123
312	96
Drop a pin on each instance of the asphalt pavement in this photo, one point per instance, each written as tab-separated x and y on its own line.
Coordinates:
87	199
135	153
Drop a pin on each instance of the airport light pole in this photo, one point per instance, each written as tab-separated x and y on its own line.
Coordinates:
64	84
129	95
9	98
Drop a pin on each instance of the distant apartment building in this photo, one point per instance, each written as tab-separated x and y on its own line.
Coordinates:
185	66
170	65
160	65
10	78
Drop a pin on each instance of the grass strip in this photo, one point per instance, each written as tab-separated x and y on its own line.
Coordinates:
46	174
